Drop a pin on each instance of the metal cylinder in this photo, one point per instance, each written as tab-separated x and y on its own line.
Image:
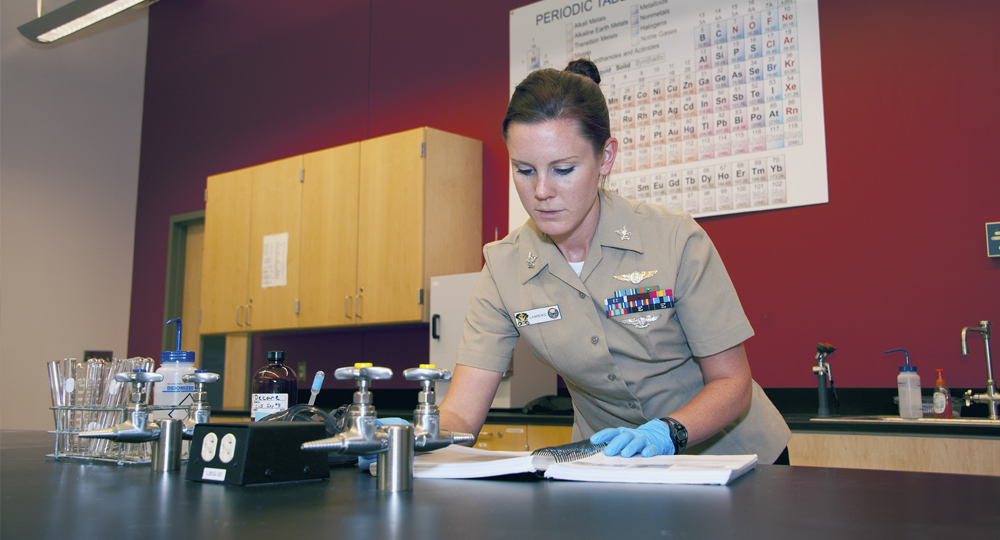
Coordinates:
824	400
167	451
394	468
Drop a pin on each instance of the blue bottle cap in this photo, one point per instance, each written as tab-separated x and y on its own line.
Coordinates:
907	368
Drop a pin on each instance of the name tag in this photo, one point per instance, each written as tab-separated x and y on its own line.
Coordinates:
537	316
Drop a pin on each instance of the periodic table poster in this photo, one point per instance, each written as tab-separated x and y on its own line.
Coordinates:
717	105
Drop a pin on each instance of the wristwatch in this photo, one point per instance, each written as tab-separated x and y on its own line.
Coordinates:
678	433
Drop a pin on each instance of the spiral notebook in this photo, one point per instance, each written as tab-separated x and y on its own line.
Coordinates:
582	462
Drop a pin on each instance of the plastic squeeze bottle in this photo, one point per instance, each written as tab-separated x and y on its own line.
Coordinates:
275	387
173	391
942	397
908	382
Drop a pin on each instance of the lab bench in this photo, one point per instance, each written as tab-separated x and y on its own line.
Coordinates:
962	446
42	498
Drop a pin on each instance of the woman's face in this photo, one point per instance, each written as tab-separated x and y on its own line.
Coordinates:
556	174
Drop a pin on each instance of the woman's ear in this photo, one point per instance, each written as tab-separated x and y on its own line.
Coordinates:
608	155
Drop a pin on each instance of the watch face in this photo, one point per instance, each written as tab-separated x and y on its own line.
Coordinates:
678	433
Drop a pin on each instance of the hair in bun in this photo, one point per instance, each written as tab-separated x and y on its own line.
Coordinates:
548	94
586	68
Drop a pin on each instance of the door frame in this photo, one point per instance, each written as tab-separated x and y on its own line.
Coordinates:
173	299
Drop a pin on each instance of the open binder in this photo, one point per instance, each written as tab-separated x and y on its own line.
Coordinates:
584	462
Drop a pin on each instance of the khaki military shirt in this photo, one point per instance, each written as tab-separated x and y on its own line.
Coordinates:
626	369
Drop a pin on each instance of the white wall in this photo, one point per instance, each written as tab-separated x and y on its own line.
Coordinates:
70	118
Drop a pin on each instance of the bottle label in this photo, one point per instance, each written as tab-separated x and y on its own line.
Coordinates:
940	402
265	404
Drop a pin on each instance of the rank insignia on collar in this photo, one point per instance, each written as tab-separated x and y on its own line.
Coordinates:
641	322
624	233
636	277
530	261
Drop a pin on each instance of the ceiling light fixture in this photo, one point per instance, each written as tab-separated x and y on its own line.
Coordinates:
72	17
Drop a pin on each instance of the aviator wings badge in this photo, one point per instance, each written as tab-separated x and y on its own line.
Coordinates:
636	277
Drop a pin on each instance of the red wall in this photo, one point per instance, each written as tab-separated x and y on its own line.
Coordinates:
896	259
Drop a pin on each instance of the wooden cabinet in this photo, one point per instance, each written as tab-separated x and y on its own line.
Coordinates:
957	455
520	438
243	207
367	225
420	215
329	268
226	255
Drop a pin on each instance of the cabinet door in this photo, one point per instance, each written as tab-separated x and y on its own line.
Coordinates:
502	437
226	252
390	228
328	274
545	436
274	244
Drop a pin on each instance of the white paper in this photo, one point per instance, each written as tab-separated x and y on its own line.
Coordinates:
462	462
274	261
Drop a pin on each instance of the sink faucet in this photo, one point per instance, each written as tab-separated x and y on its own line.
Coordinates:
427	431
990	397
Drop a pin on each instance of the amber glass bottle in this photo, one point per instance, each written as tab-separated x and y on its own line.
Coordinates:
275	387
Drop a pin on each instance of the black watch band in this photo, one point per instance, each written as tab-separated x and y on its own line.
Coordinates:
678	434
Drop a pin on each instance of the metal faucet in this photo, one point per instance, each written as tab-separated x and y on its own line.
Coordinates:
427	431
990	397
165	435
138	428
361	438
199	412
823	373
393	445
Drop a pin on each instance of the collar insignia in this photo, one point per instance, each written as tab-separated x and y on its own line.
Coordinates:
624	234
530	261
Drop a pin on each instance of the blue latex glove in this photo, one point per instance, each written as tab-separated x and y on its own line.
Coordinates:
648	440
365	462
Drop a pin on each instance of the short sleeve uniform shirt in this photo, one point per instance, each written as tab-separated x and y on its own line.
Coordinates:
641	362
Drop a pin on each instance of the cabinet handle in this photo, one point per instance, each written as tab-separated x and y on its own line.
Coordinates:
238	310
434	326
347	306
357	306
246	315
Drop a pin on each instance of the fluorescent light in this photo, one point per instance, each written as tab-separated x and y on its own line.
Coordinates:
72	17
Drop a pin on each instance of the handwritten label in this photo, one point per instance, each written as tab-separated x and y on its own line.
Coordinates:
265	404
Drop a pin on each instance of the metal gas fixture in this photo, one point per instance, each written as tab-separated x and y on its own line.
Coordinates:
166	434
426	418
138	428
199	412
823	374
361	438
990	397
393	445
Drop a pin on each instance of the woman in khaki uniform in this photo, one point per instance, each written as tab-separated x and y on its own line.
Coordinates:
628	302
